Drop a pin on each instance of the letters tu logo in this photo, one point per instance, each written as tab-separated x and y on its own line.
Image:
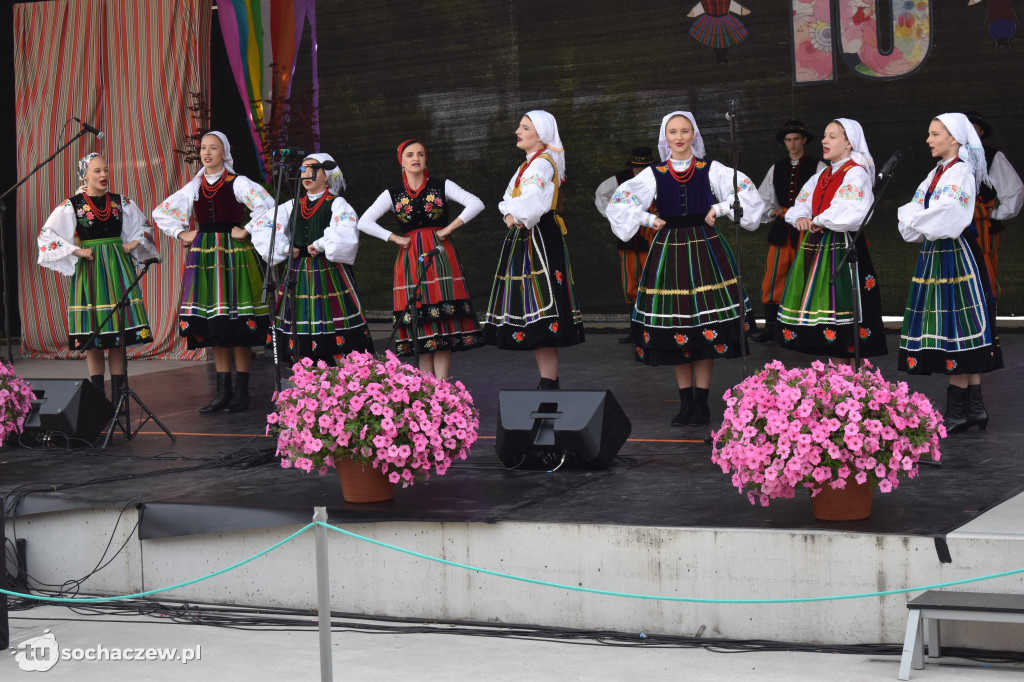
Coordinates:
38	654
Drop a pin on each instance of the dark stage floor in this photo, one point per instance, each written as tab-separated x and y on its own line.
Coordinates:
662	477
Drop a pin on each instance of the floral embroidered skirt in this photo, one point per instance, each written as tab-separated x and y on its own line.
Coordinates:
688	305
533	302
816	317
329	318
446	319
221	293
96	287
949	326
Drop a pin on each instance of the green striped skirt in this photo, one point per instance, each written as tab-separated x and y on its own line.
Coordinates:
96	287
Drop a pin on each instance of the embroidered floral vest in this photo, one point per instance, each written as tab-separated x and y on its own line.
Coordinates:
428	209
88	226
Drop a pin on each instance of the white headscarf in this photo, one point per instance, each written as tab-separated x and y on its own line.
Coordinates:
547	130
971	151
860	153
697	146
335	180
229	162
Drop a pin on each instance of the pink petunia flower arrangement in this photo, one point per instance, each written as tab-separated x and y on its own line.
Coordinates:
823	426
15	402
382	412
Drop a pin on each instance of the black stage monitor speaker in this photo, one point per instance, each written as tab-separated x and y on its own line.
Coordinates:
540	429
73	407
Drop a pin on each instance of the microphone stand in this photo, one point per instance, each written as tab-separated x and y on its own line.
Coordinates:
270	286
737	215
413	309
851	257
126	391
5	321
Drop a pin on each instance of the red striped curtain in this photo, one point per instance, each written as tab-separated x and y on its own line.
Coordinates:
127	67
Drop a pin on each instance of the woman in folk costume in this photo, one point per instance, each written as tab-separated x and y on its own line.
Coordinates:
88	238
221	291
949	326
688	304
816	317
328	318
533	302
446	320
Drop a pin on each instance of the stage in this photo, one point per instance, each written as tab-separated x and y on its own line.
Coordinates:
662	520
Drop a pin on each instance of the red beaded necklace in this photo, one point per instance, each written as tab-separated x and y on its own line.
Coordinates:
522	169
210	190
308	211
408	189
101	215
686	174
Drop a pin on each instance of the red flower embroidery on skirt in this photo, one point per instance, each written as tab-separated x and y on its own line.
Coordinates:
911	362
830	334
558	276
864	332
639	351
339	340
950	365
681	339
553	327
183	324
721	348
251	324
518	337
869	282
788	334
647	337
710	334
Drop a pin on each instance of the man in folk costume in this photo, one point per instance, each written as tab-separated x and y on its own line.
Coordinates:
632	252
994	204
778	190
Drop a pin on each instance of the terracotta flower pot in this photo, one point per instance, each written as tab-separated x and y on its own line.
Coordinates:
851	503
361	483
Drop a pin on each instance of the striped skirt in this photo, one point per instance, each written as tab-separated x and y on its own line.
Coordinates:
328	318
817	318
221	294
688	305
96	287
533	301
446	318
724	31
949	326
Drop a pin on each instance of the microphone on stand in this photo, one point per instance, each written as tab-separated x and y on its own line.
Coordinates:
430	254
731	114
151	261
891	164
89	128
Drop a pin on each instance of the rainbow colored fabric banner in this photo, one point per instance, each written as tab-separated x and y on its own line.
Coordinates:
262	41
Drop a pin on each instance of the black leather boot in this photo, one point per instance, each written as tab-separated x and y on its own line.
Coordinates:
547	384
240	400
976	413
771	314
701	412
223	397
116	386
685	407
97	381
956	409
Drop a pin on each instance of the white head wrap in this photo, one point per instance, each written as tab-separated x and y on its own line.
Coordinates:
697	146
547	130
229	162
335	180
971	151
860	153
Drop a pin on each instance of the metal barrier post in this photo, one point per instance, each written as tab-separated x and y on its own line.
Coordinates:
323	596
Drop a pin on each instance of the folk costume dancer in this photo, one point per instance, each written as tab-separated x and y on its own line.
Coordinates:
446	320
816	317
717	28
778	190
1000	200
221	290
687	308
89	238
949	326
633	252
533	305
328	318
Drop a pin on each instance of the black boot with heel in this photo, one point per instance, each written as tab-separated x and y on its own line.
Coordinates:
685	407
956	409
976	413
223	397
240	400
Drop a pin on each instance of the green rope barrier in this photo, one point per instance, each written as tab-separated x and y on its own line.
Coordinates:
95	600
631	595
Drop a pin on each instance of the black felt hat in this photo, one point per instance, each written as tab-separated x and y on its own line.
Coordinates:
793	127
641	157
979	120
